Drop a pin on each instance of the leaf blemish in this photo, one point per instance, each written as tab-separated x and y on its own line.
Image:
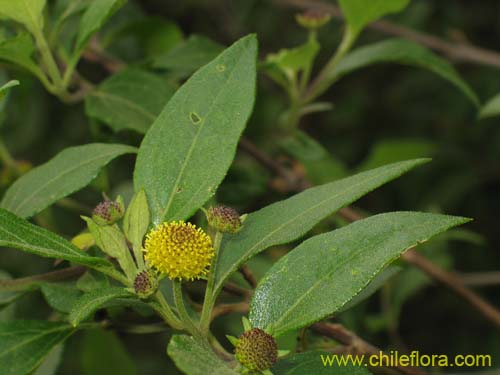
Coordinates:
220	67
195	118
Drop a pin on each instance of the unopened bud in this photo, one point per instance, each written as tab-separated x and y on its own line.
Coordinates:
145	283
224	219
313	19
108	212
256	350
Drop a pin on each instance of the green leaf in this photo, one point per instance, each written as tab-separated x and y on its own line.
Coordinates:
27	12
491	108
188	150
94	18
297	58
321	275
185	58
285	64
312	363
19	51
403	52
386	150
24	344
61	296
63	10
285	221
69	171
20	234
289	61
194	358
52	362
131	99
320	164
90	302
103	353
112	242
136	224
92	280
151	36
375	284
359	13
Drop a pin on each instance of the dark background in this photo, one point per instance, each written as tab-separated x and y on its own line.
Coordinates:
413	109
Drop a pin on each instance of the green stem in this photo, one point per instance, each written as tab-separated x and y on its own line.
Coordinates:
167	313
306	74
138	257
33	282
326	77
182	311
70	69
209	301
48	60
75	206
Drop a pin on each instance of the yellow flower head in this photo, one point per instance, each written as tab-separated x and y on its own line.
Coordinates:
178	249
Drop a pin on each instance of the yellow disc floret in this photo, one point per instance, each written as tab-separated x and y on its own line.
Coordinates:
179	250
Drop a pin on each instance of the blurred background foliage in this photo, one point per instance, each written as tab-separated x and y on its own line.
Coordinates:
380	114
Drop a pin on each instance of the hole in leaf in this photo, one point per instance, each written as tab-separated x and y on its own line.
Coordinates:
195	118
220	68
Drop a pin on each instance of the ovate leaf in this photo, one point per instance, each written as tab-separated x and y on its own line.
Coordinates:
19	51
136	224
321	275
359	13
194	358
20	234
27	12
404	52
182	60
290	219
69	171
24	344
61	296
90	302
284	65
94	18
131	99
112	242
491	108
189	148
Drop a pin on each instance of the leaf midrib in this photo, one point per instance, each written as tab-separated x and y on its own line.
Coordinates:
131	104
82	310
48	182
34	338
195	139
279	228
338	266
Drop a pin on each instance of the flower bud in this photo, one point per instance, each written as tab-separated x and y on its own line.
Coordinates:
224	219
256	350
313	19
108	212
145	283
